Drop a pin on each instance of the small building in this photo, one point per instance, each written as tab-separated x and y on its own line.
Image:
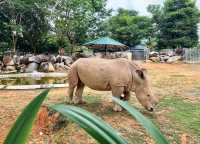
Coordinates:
139	52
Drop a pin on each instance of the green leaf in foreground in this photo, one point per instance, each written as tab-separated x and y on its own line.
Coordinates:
146	123
21	128
92	124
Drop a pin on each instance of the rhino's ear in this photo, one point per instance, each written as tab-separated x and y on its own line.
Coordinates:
141	73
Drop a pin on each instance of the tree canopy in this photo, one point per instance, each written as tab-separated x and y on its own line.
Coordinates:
176	23
23	24
128	27
46	25
77	20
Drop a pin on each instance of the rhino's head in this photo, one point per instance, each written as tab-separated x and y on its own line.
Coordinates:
143	90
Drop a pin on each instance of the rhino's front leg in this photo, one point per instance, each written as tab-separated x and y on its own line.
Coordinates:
126	96
117	92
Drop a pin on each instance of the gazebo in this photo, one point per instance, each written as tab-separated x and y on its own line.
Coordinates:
106	44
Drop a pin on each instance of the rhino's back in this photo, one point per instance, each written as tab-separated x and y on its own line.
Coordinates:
101	74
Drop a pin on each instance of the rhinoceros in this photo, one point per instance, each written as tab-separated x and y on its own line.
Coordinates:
120	76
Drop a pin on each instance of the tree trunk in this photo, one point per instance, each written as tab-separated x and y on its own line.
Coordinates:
72	48
14	39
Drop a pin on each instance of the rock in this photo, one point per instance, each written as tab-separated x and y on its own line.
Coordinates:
164	58
24	60
78	55
180	51
46	67
16	59
153	54
10	68
52	59
154	59
8	61
68	60
32	67
51	68
64	59
43	67
171	53
34	59
174	59
43	58
61	67
59	59
22	68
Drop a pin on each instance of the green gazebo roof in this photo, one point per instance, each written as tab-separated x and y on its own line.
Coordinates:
105	42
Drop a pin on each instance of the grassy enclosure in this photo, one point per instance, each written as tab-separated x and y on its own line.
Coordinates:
177	114
49	36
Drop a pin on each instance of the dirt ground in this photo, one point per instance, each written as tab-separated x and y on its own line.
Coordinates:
177	114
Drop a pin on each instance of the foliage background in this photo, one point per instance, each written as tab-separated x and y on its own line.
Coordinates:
40	26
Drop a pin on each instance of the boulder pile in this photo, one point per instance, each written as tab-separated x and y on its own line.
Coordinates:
47	63
166	57
30	63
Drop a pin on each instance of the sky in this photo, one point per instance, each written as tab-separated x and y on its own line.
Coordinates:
138	5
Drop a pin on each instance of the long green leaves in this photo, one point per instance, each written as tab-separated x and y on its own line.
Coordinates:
93	125
146	123
20	130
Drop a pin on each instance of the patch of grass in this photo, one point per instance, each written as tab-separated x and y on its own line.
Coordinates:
92	99
184	115
135	139
178	75
196	86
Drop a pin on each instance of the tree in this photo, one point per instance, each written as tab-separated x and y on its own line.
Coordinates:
178	24
77	20
24	25
128	27
156	12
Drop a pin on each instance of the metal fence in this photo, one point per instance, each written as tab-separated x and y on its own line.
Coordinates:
192	55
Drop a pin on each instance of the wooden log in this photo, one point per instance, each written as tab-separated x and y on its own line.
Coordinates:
8	72
28	87
33	75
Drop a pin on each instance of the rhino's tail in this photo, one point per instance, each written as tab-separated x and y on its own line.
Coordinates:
73	76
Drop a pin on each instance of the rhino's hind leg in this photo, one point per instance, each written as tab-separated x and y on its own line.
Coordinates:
117	92
78	94
70	94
